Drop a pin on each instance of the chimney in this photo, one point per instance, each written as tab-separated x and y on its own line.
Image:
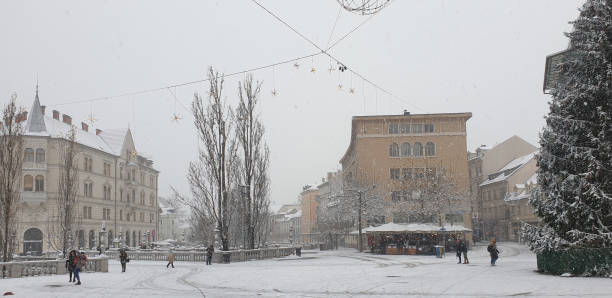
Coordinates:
21	117
329	176
55	115
84	126
406	113
43	109
67	119
98	131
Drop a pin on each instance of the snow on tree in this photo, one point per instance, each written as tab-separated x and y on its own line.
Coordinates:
574	198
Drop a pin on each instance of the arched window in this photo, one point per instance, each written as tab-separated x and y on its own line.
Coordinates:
151	199
406	149
28	183
39	183
394	150
127	238
417	150
40	155
110	238
142	198
28	154
32	241
92	239
430	149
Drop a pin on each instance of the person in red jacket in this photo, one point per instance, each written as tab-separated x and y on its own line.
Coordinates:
79	263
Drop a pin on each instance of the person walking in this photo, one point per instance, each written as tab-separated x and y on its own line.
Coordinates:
80	263
123	258
492	249
209	254
170	259
70	264
465	249
460	246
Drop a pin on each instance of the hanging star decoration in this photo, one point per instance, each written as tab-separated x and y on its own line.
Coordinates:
212	94
313	70
352	90
274	92
296	65
176	117
340	87
331	69
134	153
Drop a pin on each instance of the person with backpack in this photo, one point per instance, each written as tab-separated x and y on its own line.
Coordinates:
80	262
492	249
70	264
123	258
460	247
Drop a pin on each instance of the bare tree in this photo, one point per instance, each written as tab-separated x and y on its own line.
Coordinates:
426	195
67	203
253	173
211	176
11	163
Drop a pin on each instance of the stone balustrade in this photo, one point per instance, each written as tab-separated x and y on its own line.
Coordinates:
200	256
48	267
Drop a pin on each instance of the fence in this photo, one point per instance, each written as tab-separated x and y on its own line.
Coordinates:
200	256
48	267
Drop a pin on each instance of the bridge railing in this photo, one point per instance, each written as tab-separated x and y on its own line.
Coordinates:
48	267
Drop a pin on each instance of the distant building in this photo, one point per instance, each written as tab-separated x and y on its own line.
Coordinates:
172	222
485	161
286	223
116	187
309	231
517	201
495	194
387	149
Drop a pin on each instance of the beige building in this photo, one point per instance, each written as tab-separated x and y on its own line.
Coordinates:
495	196
117	186
485	161
517	201
388	150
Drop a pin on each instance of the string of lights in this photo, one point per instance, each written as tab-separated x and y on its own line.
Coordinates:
342	66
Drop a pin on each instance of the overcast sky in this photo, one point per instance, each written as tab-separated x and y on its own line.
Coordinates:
485	57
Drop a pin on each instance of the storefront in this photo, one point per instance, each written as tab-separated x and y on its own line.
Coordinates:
412	239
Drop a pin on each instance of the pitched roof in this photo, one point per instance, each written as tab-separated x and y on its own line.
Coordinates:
38	124
509	169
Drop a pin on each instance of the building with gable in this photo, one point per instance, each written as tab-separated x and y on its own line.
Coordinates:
117	186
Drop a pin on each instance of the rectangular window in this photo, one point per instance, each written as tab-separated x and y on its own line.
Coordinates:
120	214
431	173
395	173
405	128
393	128
395	196
417	128
107	169
406	173
429	128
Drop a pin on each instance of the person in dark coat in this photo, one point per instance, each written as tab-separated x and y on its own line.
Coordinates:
209	254
460	246
492	249
70	264
123	258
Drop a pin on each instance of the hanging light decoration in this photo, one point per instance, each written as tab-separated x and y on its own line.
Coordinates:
312	68
363	7
274	91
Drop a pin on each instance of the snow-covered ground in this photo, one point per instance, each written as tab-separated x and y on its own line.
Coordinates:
343	273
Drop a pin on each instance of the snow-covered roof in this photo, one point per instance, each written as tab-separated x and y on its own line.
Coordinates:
294	215
509	169
38	124
413	227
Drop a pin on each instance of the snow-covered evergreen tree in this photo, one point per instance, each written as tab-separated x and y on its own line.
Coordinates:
574	198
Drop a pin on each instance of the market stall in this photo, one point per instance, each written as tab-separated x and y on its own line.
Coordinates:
411	239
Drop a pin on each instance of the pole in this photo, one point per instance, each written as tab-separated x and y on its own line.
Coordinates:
359	219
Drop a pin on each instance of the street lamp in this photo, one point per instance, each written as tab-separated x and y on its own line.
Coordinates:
360	211
102	232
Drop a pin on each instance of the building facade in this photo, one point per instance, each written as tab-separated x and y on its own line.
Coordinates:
485	161
495	198
117	187
390	150
286	224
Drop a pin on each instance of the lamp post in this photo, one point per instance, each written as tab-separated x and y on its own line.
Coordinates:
360	211
291	231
